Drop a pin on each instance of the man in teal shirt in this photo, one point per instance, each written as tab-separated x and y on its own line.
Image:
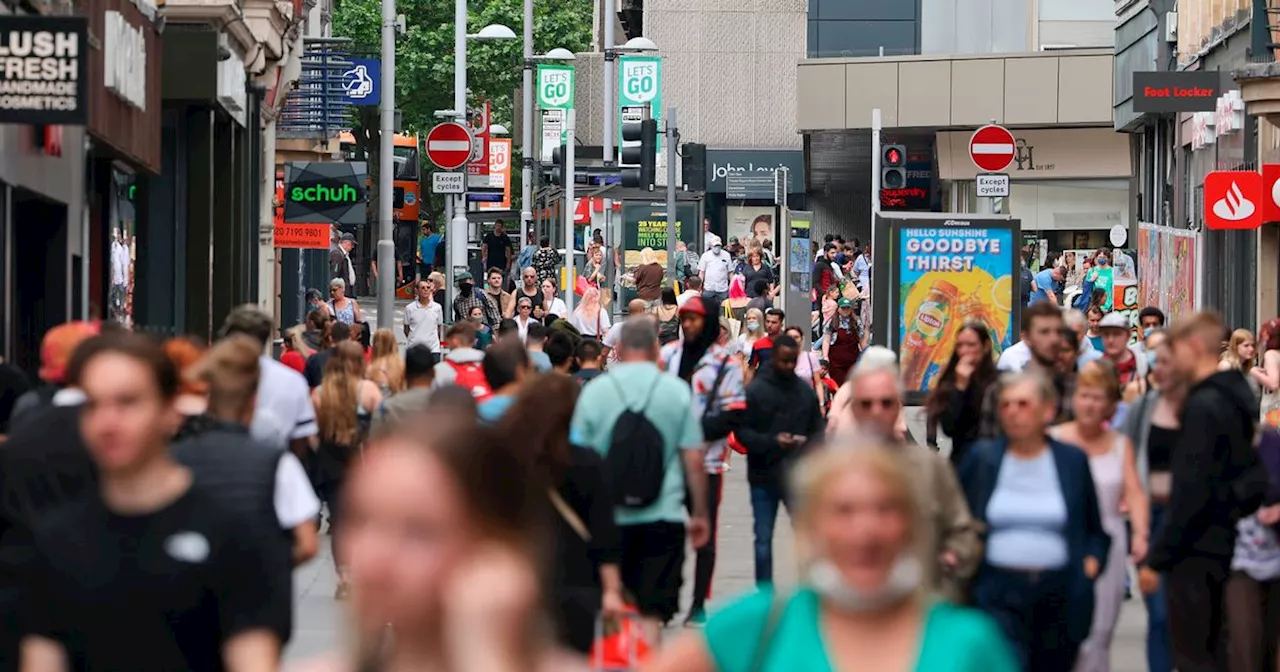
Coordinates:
427	245
653	536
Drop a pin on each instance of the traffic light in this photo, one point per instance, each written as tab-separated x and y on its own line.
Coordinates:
559	174
893	167
693	166
644	155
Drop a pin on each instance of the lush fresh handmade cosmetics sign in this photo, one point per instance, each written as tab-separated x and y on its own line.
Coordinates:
44	70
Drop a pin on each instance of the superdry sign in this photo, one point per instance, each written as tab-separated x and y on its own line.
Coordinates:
324	192
45	66
1176	91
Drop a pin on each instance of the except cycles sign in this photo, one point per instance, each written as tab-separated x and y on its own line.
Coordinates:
639	87
328	192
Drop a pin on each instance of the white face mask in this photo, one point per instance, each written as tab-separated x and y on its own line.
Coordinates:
752	326
825	579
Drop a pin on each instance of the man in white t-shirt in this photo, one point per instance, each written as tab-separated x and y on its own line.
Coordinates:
424	318
693	287
610	341
282	414
714	269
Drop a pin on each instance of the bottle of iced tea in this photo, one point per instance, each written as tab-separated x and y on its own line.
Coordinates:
926	331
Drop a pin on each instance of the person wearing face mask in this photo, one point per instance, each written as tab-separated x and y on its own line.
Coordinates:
468	298
1045	543
861	535
1101	278
714	270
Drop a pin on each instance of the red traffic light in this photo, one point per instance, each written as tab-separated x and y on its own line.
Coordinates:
892	156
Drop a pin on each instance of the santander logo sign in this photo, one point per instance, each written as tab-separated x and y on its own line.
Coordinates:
1233	199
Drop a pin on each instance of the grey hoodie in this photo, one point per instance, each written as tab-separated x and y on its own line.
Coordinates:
445	373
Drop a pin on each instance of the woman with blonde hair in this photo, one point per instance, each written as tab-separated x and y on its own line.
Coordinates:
1241	352
861	537
648	276
296	350
344	403
1113	464
386	368
752	330
589	317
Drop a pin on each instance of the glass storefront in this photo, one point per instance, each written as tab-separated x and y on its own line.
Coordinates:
123	229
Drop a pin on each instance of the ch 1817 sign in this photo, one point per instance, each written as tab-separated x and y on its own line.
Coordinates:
44	70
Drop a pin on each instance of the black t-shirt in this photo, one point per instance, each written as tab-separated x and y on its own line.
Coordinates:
162	591
585	376
536	298
498	250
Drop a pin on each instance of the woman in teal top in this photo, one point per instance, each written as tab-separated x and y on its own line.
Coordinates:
861	603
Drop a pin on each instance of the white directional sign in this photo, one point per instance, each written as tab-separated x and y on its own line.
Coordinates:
993	185
448	183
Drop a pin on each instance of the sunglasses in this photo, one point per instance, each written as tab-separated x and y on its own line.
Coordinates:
525	307
886	403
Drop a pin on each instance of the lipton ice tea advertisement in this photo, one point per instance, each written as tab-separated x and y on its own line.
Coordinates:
947	276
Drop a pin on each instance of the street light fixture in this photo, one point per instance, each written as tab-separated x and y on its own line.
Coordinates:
638	44
557	54
494	31
498	129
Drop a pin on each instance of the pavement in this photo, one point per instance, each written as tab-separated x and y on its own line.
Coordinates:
318	619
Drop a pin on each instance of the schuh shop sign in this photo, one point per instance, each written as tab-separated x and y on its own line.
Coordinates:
45	70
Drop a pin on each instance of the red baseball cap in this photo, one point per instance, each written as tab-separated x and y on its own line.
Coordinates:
695	306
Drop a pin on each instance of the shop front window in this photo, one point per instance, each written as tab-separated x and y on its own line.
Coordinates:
123	228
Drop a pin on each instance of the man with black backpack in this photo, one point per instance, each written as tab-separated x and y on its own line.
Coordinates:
641	421
1217	480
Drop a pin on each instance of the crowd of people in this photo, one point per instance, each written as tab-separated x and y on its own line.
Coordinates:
518	482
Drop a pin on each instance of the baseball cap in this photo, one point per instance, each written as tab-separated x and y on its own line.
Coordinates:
1114	321
465	275
844	302
57	346
347	237
694	306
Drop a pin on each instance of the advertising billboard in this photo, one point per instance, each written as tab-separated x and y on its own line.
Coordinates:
946	270
644	224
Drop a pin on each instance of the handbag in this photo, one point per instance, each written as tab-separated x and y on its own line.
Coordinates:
735	325
569	515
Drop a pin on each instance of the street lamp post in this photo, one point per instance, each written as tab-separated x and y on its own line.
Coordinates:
458	234
386	167
526	131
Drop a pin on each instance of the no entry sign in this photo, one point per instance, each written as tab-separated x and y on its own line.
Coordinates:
449	145
991	148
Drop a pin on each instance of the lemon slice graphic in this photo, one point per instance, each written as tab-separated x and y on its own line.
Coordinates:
1002	293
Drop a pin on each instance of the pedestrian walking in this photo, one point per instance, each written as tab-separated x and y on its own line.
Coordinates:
589	317
590	360
955	403
1116	332
1268	373
546	260
55	355
1152	425
1217	479
345	309
1115	476
469	299
506	366
863	594
634	415
386	366
493	288
955	549
715	269
424	318
444	529
843	340
282	412
782	420
344	404
552	305
419	374
1042	332
1253	590
586	580
170	566
1045	544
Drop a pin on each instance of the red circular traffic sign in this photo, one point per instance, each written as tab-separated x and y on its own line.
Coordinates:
991	148
449	145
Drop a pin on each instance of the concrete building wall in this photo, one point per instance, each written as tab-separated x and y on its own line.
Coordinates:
729	68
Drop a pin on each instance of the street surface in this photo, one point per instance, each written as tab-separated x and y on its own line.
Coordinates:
318	620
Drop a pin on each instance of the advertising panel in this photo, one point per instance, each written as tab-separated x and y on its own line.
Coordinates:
750	223
947	272
644	225
46	73
639	92
325	192
1167	260
499	173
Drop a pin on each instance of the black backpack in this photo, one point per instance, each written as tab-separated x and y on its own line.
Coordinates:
636	459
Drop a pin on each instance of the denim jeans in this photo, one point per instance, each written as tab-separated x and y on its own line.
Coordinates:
764	512
1159	656
719	296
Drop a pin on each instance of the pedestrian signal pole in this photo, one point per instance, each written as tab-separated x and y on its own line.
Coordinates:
673	234
570	126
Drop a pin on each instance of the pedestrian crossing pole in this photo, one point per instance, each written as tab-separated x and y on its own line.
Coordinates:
386	172
673	233
570	128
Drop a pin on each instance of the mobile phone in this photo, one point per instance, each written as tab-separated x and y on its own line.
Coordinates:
799	438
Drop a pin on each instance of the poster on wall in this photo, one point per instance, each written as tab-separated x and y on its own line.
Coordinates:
947	271
750	223
1167	262
644	225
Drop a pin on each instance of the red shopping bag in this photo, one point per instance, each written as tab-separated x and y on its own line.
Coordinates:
580	286
620	645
